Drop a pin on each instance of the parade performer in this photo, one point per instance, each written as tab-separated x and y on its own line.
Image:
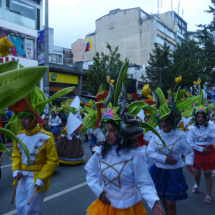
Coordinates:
43	159
167	172
54	123
97	136
69	147
201	137
118	167
91	121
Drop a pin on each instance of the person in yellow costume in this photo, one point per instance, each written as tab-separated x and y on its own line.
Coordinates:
43	160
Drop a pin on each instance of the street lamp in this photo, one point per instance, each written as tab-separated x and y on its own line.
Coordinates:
160	76
46	76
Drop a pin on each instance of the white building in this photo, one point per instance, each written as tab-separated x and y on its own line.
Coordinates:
136	32
19	21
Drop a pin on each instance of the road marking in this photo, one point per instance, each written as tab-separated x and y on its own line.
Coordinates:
55	195
5	166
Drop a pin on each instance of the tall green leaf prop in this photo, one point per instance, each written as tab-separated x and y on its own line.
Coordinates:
8	66
14	124
186	103
16	84
9	133
152	122
89	121
121	78
135	107
60	93
163	108
100	89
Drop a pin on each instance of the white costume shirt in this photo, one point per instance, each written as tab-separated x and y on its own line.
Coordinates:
176	144
54	121
119	175
201	136
147	136
33	143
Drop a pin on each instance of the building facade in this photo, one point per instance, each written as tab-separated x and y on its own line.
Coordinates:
20	21
78	48
136	32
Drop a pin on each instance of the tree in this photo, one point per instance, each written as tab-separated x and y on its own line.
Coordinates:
188	62
103	66
206	38
159	70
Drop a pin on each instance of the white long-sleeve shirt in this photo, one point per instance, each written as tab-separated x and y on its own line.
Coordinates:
147	136
54	121
176	144
119	175
201	136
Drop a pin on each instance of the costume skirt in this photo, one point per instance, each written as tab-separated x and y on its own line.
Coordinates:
203	161
55	129
99	208
70	152
170	183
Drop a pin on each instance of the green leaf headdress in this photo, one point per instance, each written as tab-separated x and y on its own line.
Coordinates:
174	107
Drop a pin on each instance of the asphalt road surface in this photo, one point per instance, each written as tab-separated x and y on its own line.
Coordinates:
69	194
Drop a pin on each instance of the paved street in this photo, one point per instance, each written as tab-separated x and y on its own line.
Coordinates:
69	194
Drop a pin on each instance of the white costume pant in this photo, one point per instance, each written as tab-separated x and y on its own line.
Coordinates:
24	190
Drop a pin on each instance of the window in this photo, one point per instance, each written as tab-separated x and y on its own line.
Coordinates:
166	31
0	3
55	58
161	41
181	30
179	40
38	19
21	8
180	22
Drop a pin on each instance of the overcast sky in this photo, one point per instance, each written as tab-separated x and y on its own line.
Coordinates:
73	19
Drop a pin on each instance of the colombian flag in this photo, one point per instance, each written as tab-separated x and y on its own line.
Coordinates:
88	45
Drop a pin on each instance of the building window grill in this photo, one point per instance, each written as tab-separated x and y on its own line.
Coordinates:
21	8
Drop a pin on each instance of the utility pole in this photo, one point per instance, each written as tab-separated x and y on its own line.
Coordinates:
160	74
46	76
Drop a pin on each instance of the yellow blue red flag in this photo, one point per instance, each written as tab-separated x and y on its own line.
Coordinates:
88	45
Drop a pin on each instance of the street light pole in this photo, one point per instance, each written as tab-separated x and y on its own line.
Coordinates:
46	76
160	75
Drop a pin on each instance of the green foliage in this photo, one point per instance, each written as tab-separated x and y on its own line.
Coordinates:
206	39
192	59
103	65
160	64
189	63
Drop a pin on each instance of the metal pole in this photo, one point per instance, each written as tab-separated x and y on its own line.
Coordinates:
46	76
160	78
